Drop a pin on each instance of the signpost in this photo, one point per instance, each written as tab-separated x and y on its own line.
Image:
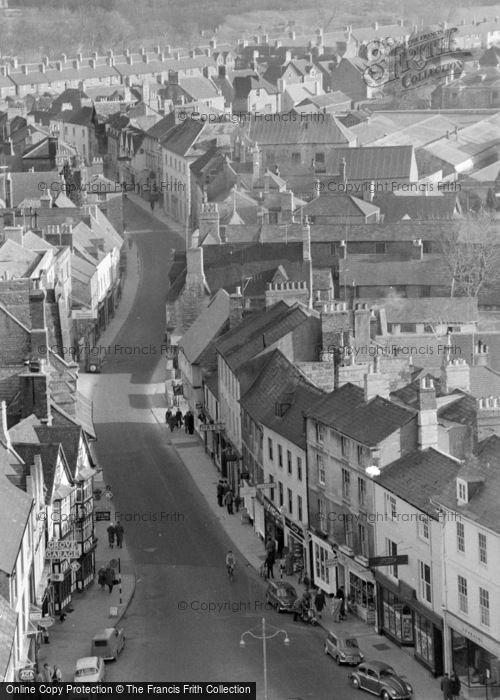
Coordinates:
393	560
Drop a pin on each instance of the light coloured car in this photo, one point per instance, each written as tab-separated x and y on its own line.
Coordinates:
344	648
108	643
89	669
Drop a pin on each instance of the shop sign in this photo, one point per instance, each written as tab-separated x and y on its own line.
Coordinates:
267	485
103	515
332	562
46	621
208	427
231	457
62	549
272	508
296	529
26	675
248	491
395	560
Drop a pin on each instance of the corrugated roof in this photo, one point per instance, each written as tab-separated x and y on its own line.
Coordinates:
418	476
372	162
346	411
206	327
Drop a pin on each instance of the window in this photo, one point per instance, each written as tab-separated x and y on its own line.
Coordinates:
359	454
390	506
391	549
273	217
270	448
346	484
484	606
348	533
344	446
460	537
289	461
296	158
427	246
280	456
380	248
363	540
462	491
425	581
423	527
319	158
320	469
320	433
271	492
280	493
299	468
483	557
322	515
361	491
462	594
299	507
290	501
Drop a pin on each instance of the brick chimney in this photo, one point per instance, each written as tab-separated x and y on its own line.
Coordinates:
290	292
487	417
235	308
362	324
195	276
455	374
376	383
209	220
480	354
427	414
417	249
306	242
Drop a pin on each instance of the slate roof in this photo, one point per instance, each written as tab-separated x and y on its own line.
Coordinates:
161	128
206	327
30	185
15	507
49	455
422	208
16	261
257	332
482	508
180	139
424	309
418	476
281	382
346	411
280	132
24	431
372	162
339	205
212	383
68	436
463	410
402	272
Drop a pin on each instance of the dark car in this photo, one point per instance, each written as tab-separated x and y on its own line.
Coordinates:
281	595
380	679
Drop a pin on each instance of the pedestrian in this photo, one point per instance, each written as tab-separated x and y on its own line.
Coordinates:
341	595
47	673
39	677
228	501
455	686
101	577
178	418
152	204
172	422
62	617
46	636
297	609
57	675
190	423
270	547
186	421
269	565
446	687
336	607
119	534
220	493
110	578
237	503
111	535
168	414
319	601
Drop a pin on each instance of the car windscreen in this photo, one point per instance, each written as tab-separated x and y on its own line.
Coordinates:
100	642
351	643
85	671
387	672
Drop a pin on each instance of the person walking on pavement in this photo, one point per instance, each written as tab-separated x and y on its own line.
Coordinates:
172	422
110	578
111	535
269	564
228	501
220	493
455	686
237	503
57	675
270	546
341	595
319	601
168	415
119	534
101	577
186	421
190	423
178	418
47	673
446	687
336	608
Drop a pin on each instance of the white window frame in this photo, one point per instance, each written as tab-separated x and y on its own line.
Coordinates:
463	603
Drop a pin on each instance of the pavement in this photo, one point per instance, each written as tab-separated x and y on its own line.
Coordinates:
159	214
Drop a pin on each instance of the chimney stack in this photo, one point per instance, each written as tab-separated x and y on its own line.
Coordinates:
427	414
487	417
235	308
306	242
480	355
376	383
455	374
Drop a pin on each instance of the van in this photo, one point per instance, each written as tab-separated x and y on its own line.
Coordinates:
108	643
343	647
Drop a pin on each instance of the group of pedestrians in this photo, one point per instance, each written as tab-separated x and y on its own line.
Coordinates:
115	531
338	606
226	497
177	420
50	674
106	576
450	685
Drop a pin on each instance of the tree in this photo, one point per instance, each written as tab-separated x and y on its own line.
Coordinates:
471	254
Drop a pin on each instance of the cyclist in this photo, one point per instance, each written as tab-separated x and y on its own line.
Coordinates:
230	563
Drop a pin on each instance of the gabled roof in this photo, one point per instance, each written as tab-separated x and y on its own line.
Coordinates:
69	436
339	205
372	162
256	333
180	139
418	476
276	131
16	261
396	207
49	454
15	507
402	272
206	327
281	383
368	422
421	310
161	129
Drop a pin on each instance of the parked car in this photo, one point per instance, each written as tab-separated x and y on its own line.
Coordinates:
281	595
89	669
108	643
343	648
380	679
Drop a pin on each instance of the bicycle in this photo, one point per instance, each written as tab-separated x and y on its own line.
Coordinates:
230	571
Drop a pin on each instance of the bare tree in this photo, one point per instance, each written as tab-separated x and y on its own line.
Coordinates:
471	254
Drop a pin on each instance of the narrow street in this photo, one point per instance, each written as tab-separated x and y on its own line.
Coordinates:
186	619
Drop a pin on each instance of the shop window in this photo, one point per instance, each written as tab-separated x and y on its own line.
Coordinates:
460	537
320	469
361	491
462	594
299	508
320	558
423	527
424	640
397	617
425	581
299	468
346	484
474	665
280	493
290	501
484	606
280	456
483	556
270	448
361	593
289	461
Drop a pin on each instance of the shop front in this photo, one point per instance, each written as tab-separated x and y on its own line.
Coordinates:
323	562
359	585
295	543
474	658
409	623
259	520
273	523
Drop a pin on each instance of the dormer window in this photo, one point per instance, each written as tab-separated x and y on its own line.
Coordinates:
462	495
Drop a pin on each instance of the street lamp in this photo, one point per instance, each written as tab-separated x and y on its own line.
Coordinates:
264	638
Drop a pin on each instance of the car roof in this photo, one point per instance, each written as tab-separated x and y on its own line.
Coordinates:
108	632
87	661
343	635
377	665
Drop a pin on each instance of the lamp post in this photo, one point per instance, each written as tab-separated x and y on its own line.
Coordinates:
265	636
